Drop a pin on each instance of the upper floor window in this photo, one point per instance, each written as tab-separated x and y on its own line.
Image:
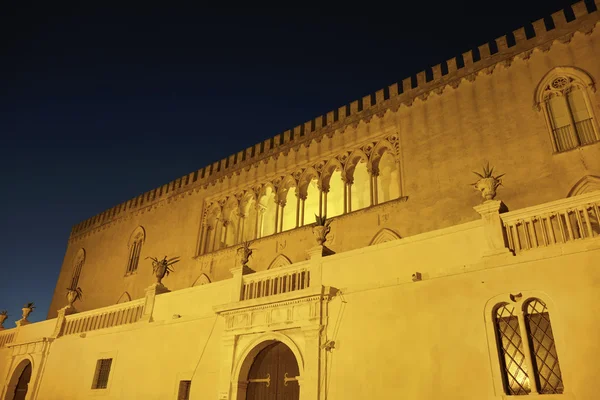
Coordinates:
102	373
566	97
526	346
77	267
136	240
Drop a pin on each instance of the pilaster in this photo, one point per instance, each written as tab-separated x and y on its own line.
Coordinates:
151	292
492	227
309	384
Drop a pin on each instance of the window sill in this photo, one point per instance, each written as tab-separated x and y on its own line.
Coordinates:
563	396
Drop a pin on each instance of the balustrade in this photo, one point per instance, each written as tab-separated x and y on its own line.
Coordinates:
562	221
108	317
272	282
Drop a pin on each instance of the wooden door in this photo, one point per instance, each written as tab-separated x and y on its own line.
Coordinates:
23	383
273	375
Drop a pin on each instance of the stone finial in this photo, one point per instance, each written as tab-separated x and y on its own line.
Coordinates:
244	253
73	295
3	316
488	183
27	309
321	229
163	267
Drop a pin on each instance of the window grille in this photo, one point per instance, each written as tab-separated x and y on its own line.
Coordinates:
541	339
569	112
528	356
184	390
102	373
512	357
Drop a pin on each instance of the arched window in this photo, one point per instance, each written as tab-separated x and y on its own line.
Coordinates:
564	96
136	240
527	350
77	266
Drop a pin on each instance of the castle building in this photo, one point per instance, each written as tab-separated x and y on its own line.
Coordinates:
418	280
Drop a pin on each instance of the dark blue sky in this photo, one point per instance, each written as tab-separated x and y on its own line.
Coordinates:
98	105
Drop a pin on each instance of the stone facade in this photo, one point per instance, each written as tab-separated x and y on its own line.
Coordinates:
404	298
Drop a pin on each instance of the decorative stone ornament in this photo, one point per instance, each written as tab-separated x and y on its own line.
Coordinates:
73	295
162	268
487	184
27	309
321	229
243	254
3	316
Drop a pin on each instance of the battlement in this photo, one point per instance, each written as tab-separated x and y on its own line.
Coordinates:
538	34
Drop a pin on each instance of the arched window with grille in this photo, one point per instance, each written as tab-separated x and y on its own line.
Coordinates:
136	241
77	267
566	96
526	348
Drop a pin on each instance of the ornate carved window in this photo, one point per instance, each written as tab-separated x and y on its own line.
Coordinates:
526	349
136	241
564	95
77	267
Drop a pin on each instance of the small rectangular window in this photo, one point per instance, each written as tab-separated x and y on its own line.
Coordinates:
184	390
102	373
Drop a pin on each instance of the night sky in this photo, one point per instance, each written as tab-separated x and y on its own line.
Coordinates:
98	105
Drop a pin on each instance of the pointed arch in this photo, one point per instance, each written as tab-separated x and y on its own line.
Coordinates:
203	279
78	263
356	157
280	261
563	95
287	183
332	165
307	176
576	74
384	235
135	243
124	298
588	183
380	149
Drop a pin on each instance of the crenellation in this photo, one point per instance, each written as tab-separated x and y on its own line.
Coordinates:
441	74
468	58
366	102
484	51
520	36
560	19
452	67
502	43
420	79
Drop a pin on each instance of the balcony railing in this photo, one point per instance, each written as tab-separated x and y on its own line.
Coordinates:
276	281
6	338
120	314
562	221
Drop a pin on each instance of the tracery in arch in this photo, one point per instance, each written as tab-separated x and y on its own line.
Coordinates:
588	183
203	279
346	182
359	179
564	96
124	298
384	235
279	261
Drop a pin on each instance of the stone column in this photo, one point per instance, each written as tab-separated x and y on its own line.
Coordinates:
325	190
298	197
282	215
492	227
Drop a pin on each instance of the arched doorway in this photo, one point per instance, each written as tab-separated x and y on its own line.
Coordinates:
273	374
19	383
